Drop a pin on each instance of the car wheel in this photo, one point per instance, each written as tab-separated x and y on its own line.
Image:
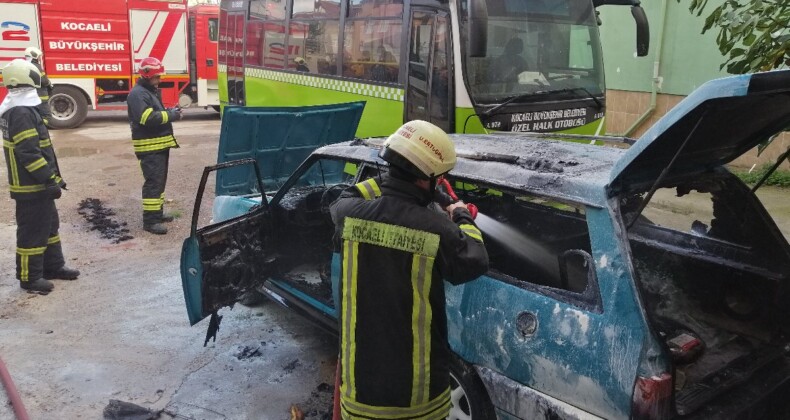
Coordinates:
468	397
69	107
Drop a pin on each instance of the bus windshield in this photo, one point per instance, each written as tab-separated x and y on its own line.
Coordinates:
536	46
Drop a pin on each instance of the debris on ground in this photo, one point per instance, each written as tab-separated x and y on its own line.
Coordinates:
100	218
121	410
248	352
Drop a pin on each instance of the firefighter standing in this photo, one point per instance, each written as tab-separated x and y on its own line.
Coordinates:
152	137
33	55
34	179
397	248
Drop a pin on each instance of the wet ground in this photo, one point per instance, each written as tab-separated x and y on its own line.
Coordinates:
121	331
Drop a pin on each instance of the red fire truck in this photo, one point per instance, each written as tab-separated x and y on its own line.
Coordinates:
92	49
203	36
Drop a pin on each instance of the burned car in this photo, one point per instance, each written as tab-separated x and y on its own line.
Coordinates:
599	302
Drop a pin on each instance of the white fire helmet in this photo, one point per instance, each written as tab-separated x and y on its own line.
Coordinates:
33	53
19	73
423	146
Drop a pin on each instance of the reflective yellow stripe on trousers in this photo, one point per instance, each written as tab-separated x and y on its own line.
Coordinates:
24	260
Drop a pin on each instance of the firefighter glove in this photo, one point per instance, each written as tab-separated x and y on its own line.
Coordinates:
53	191
175	113
442	198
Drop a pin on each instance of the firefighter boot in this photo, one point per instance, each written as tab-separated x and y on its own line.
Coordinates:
63	273
166	218
155	228
39	285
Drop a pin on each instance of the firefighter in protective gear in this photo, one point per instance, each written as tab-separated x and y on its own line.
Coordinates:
33	55
397	247
35	181
152	138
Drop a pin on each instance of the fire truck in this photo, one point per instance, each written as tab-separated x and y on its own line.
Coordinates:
92	49
203	37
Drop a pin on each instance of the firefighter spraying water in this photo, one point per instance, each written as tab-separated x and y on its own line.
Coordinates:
514	241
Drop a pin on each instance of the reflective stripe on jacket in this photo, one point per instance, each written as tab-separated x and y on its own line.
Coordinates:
396	249
151	123
29	155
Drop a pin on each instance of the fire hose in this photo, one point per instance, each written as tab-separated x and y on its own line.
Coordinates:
13	394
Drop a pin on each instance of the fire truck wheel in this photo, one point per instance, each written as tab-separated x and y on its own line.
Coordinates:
69	107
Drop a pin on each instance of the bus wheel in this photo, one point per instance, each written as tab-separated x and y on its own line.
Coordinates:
468	397
69	107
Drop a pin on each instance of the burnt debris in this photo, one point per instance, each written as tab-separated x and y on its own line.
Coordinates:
100	218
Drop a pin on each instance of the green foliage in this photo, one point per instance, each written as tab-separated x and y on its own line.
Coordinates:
780	177
754	35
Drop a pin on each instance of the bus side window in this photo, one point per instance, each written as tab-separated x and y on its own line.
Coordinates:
372	50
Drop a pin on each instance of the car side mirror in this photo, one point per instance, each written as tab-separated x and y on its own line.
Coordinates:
577	274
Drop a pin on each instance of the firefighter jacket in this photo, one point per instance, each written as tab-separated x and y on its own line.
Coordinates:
396	250
152	124
29	155
43	93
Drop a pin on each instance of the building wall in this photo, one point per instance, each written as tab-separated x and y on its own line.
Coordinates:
625	107
680	58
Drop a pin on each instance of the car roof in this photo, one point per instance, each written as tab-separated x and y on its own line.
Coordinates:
561	169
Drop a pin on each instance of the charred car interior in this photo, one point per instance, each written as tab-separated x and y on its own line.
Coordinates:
715	285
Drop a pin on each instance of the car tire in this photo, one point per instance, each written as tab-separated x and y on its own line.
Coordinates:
468	397
69	107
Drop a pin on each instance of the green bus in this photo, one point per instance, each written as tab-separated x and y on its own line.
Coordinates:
468	66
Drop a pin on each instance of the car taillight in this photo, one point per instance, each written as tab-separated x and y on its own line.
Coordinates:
652	397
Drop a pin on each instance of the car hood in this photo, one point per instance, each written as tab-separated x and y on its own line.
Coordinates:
279	139
714	125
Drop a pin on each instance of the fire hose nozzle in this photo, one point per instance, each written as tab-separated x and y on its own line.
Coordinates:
445	199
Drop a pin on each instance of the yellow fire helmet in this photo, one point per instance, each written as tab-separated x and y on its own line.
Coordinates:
33	53
20	73
420	148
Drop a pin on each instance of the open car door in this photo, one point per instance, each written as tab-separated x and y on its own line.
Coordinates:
259	149
222	261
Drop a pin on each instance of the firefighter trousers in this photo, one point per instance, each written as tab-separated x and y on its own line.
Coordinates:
154	166
38	246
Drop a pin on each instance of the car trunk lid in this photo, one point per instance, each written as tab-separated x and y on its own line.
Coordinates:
714	125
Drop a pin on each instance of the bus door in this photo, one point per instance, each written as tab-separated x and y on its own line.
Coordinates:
429	92
231	50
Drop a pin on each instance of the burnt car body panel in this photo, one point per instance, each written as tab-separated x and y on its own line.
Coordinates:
584	295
